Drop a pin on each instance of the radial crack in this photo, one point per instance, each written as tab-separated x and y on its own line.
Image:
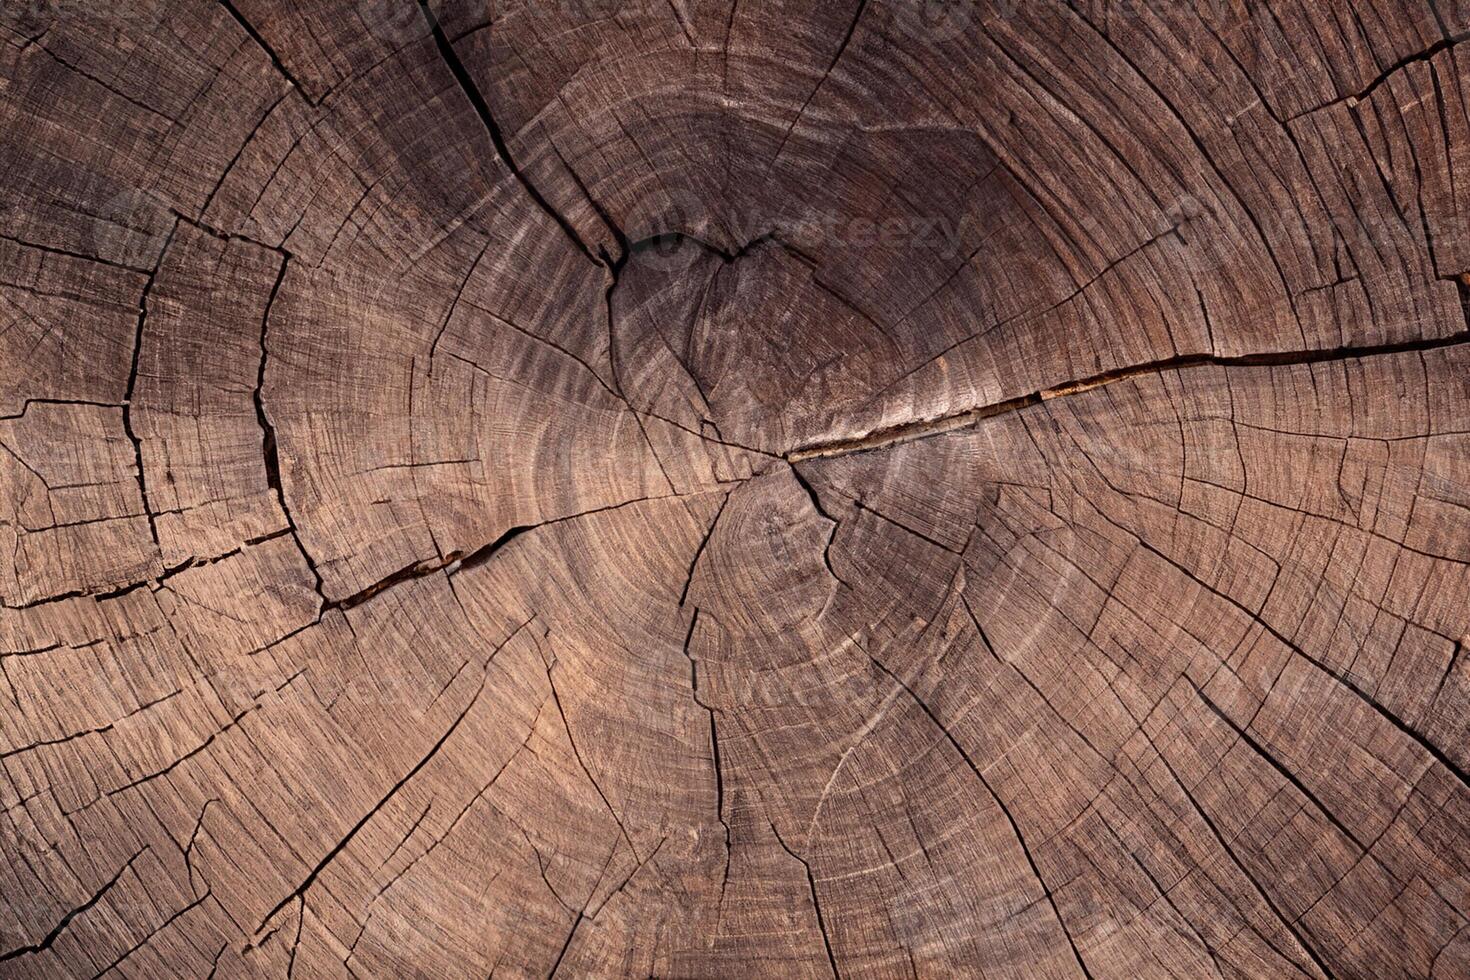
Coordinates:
487	118
269	445
270	52
1004	809
714	740
127	406
66	919
811	883
299	892
904	432
816	501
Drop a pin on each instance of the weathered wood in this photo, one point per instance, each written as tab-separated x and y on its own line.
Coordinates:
733	487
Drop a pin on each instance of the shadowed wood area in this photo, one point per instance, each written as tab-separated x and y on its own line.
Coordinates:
730	488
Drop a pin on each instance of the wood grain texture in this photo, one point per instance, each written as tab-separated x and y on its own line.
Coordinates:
702	488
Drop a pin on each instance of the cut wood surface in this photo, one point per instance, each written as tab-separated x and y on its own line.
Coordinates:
729	488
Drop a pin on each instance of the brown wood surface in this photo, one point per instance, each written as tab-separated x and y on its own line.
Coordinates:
728	488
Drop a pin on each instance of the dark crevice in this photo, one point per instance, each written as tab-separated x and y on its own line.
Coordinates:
484	553
296	943
214	965
923	428
548	344
592	913
1344	679
1290	924
614	278
831	67
661	242
201	747
200	224
699	553
68	253
582	763
714	740
816	501
1442	45
545	880
99	730
1285	773
404	839
193	840
25	407
245	144
1026	679
117	592
72	594
487	118
456	561
859	505
454	305
811	882
127	407
270	52
602	213
665	240
556	964
66	920
718	438
269	447
110	86
1159	887
615	267
416	570
657	459
1449	672
683	24
180	913
260	943
25	528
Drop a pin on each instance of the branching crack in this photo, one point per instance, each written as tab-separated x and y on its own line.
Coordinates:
1245	736
269	446
1290	923
1444	44
577	753
67	919
699	553
98	730
831	67
487	118
456	561
1343	679
811	882
118	591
